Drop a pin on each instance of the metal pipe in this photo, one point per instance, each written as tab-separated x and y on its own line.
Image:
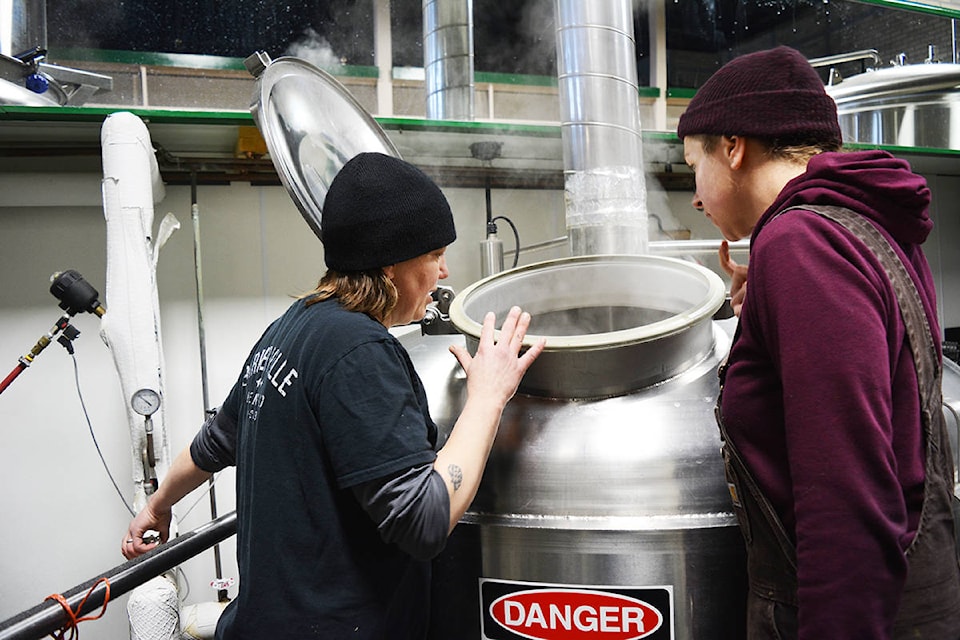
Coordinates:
448	59
655	247
383	56
23	26
853	56
62	323
953	39
491	248
693	247
49	616
605	191
198	274
198	279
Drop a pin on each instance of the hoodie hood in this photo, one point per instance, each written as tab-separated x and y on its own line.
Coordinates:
873	183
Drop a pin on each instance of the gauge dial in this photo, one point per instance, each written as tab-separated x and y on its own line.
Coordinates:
145	401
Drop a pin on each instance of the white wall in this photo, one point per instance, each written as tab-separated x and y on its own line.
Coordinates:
62	519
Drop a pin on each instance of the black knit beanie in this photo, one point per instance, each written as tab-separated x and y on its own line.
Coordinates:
773	94
380	210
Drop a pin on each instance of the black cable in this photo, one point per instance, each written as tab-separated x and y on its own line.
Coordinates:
516	238
76	376
86	415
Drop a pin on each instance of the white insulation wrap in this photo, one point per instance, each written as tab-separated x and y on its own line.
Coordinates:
131	325
154	610
611	195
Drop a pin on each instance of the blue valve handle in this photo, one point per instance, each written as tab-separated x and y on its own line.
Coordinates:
37	83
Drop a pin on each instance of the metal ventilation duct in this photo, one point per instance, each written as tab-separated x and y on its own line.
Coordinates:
606	196
448	58
23	26
25	79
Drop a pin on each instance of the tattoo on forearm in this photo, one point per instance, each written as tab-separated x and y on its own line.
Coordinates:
456	475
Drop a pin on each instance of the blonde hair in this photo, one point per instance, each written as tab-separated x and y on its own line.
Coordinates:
370	292
793	150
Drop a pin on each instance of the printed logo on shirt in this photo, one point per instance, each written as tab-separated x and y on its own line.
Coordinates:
266	369
535	611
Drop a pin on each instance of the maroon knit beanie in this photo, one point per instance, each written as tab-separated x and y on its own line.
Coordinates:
773	94
380	210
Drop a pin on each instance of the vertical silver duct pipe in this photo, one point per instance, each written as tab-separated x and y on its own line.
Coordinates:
605	192
23	26
448	58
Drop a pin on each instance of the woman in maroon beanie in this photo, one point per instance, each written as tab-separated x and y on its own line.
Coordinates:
834	443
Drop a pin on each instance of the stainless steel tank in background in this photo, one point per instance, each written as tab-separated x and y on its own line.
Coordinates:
915	105
603	507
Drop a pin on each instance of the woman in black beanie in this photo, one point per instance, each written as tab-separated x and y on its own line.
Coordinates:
830	411
342	497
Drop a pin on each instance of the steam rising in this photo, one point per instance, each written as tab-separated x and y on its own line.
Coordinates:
315	49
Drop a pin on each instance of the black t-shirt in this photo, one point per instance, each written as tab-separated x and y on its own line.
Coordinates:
328	399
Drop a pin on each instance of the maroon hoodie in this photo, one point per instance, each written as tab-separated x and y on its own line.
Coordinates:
821	394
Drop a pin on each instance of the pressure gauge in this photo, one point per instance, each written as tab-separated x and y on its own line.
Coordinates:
145	402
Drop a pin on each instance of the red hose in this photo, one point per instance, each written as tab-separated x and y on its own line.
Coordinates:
13	374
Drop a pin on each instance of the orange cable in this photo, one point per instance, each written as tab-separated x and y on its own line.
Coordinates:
72	619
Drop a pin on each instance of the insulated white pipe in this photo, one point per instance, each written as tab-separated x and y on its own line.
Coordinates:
131	326
131	329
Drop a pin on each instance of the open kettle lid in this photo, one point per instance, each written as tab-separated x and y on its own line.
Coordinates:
312	126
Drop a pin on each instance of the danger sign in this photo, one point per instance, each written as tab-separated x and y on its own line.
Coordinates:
513	610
